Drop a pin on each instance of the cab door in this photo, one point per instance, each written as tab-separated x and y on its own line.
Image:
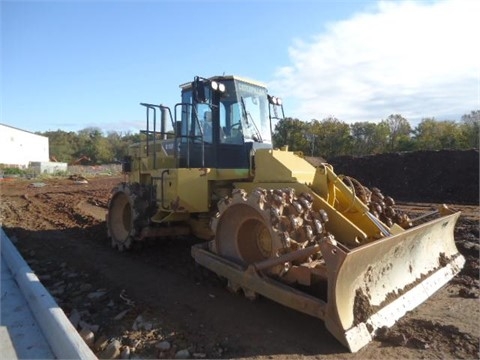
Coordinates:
233	152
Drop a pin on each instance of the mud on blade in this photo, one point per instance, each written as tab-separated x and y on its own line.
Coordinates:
376	284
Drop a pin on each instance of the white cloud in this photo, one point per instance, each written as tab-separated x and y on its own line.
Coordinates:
417	59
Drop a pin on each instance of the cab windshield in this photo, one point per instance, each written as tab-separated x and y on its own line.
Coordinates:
244	113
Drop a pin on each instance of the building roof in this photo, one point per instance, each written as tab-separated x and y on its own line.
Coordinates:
15	128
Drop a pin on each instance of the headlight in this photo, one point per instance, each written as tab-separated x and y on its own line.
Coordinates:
217	86
274	100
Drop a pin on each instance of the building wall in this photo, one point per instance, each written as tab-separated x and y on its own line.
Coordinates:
19	147
48	167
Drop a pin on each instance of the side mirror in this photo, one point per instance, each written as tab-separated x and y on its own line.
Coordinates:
198	87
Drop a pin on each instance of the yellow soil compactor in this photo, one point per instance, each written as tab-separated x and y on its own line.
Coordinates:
273	224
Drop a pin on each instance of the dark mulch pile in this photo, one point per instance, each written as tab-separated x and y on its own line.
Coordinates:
424	176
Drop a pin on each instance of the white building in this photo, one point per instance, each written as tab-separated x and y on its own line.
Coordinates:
19	147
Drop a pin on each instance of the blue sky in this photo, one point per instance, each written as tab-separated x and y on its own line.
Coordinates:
70	65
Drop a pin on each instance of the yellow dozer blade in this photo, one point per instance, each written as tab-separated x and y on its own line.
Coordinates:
298	231
375	284
369	287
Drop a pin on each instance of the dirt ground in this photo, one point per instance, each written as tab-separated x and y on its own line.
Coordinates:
157	301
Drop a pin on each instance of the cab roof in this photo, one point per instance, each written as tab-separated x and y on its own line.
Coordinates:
226	77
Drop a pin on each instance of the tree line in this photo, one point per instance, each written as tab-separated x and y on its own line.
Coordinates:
331	137
327	138
89	145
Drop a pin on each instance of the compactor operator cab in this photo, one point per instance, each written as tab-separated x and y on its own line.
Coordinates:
222	120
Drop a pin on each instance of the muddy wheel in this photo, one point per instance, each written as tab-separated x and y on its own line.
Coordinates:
382	207
265	224
127	214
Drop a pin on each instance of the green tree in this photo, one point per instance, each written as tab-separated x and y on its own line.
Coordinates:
369	138
94	145
431	134
332	137
119	144
470	124
291	132
62	145
104	153
399	138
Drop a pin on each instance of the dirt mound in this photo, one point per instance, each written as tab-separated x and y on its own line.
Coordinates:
422	176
